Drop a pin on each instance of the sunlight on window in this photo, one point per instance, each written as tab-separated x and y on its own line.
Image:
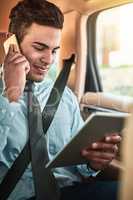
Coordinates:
115	49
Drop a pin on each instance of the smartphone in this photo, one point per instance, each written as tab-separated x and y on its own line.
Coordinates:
11	40
3	38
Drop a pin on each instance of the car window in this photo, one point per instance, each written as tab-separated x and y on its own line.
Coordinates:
114	49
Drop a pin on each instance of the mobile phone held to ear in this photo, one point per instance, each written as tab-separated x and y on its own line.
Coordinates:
11	40
3	38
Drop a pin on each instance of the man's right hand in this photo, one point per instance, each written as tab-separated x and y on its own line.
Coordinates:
15	69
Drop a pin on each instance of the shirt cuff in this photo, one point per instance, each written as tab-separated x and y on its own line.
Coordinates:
86	171
93	172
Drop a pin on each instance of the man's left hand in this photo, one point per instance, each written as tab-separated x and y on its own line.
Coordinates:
101	153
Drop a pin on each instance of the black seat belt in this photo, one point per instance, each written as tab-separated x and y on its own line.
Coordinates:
20	164
46	187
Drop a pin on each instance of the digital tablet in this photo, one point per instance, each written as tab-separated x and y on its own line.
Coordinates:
96	126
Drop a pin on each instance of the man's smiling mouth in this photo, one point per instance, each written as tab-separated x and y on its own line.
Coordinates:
40	69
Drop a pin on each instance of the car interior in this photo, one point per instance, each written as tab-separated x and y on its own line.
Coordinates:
92	34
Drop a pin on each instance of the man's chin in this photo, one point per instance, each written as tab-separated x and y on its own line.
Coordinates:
34	78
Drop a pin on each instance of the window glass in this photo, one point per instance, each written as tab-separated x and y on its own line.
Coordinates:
114	49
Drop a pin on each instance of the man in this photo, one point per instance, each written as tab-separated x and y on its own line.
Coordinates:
38	26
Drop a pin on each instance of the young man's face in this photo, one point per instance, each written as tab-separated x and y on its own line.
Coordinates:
39	46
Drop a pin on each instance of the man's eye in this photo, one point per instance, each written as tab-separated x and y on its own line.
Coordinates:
39	48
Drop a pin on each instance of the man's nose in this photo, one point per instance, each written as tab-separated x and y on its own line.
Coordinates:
47	58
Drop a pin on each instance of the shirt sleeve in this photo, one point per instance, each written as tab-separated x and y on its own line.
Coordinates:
6	116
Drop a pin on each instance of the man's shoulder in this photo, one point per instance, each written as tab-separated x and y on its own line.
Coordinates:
68	96
69	93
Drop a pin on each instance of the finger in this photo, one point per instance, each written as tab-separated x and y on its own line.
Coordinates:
106	147
27	69
98	163
114	139
19	60
15	56
98	154
25	65
21	64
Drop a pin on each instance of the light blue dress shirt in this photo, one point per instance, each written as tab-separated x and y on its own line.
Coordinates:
14	135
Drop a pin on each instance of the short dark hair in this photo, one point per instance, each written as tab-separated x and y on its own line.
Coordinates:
27	12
